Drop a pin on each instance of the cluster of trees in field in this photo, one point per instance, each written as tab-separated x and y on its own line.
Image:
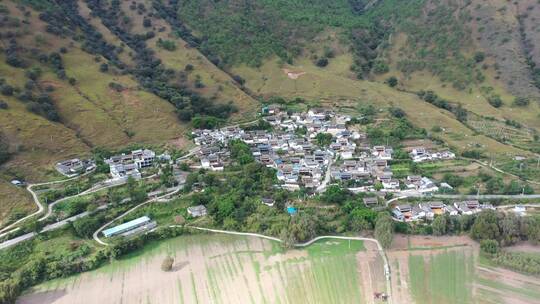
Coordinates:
35	96
493	184
528	263
393	132
506	228
496	230
432	98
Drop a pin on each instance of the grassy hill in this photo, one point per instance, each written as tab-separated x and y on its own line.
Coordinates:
67	93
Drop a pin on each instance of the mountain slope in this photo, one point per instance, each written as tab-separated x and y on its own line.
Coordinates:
96	96
470	53
72	84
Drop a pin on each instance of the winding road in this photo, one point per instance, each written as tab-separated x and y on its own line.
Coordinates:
36	199
64	222
50	208
157	198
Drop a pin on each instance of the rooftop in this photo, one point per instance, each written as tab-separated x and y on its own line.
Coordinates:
131	224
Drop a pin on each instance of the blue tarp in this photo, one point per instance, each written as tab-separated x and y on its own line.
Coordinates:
291	210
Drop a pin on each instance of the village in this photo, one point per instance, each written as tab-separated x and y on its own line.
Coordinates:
310	151
302	160
313	149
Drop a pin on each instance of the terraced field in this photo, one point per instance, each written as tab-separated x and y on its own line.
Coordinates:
226	269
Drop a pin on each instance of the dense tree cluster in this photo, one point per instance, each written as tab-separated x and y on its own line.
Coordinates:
432	98
4	149
324	139
495	230
86	226
394	132
64	19
384	230
240	152
495	101
232	203
170	14
35	97
506	228
365	42
12	54
278	28
521	101
169	45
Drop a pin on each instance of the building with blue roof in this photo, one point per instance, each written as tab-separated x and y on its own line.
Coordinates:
127	226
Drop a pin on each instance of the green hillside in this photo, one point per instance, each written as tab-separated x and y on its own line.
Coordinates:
345	49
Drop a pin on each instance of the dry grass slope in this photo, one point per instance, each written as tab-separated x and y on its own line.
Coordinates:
334	86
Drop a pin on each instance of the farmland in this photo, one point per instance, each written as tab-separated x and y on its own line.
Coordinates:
446	285
449	270
225	269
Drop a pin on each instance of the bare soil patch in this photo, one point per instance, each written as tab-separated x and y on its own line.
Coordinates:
523	247
514	284
404	242
371	277
293	74
399	262
409	145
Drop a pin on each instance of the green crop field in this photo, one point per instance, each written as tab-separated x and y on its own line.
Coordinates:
456	275
441	278
220	269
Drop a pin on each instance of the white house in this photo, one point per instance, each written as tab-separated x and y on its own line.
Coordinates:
197	211
451	210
